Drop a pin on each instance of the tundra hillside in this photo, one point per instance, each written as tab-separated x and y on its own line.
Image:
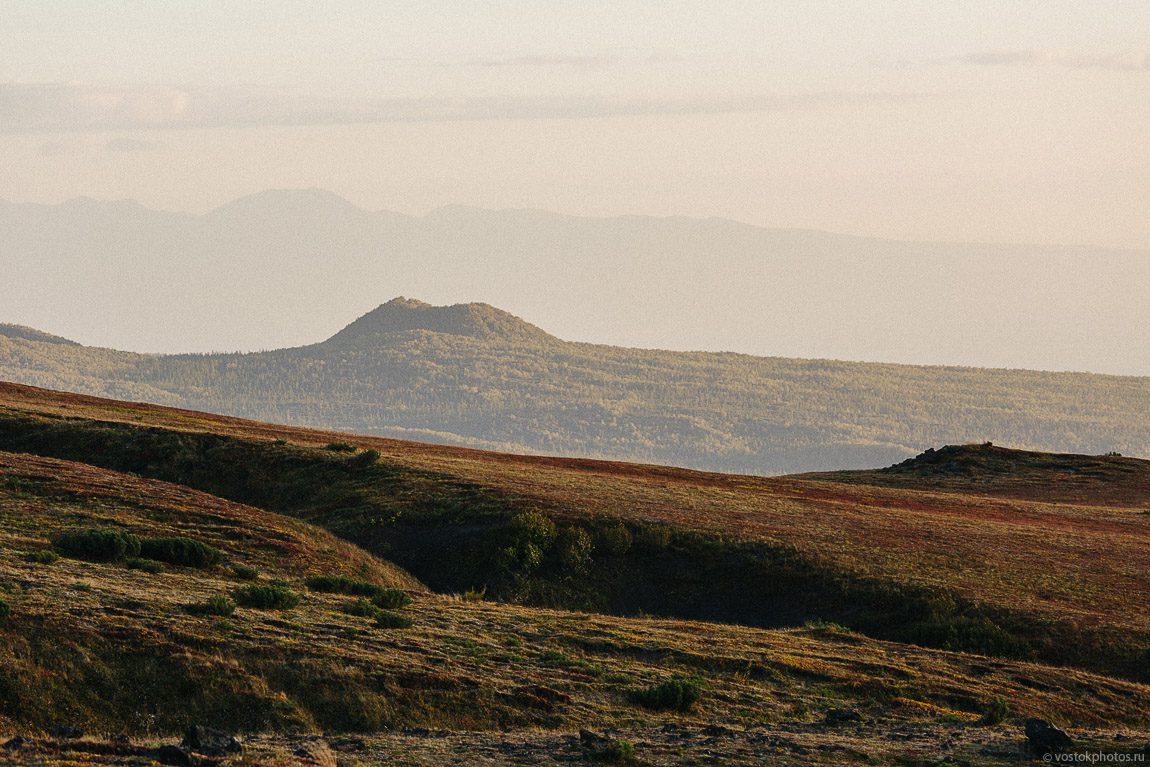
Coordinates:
136	607
1059	581
476	376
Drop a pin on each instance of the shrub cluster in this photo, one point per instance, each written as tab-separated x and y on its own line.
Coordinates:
187	552
385	598
98	545
215	605
617	752
386	619
961	633
5	610
675	694
146	565
42	557
245	573
270	597
340	447
116	545
339	584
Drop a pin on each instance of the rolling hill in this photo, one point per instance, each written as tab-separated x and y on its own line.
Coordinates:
507	671
960	570
471	374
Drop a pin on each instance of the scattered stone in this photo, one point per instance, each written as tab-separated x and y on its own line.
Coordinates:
592	740
839	715
63	732
15	744
1044	738
714	731
210	742
317	752
172	755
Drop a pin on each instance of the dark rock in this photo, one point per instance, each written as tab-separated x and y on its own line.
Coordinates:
592	740
1044	738
172	755
840	715
66	733
15	744
210	742
715	731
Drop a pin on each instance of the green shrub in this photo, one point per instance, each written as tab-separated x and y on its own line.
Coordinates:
245	573
340	447
518	546
573	550
186	552
5	610
218	604
366	458
615	539
270	597
98	545
361	608
996	713
147	565
339	584
41	557
675	694
389	620
617	752
391	599
960	633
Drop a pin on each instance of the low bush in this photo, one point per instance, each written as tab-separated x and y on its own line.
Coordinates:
617	752
339	584
98	545
340	447
41	557
675	694
5	610
391	599
245	573
996	713
270	597
215	605
361	608
186	552
366	458
960	633
146	565
389	620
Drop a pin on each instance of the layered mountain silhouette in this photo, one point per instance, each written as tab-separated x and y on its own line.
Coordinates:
474	375
286	267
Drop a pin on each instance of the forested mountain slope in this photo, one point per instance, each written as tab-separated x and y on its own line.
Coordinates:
473	375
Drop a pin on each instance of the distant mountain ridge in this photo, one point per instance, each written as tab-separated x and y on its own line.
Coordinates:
283	268
474	375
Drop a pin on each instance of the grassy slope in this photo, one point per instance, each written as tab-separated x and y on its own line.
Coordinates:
752	550
110	649
516	389
1091	480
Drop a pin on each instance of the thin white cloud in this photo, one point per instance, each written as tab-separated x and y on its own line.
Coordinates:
127	144
1123	61
600	61
59	108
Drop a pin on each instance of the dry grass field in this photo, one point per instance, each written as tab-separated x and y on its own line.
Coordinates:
110	649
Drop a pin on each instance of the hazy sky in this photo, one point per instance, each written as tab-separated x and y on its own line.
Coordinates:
1026	120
